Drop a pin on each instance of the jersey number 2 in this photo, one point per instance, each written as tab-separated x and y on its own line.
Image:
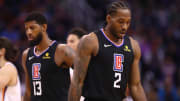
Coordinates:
118	67
117	81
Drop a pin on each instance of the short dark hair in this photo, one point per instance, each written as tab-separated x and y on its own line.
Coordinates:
121	4
11	51
77	31
38	17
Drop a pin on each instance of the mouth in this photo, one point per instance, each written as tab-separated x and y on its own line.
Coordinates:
123	32
30	38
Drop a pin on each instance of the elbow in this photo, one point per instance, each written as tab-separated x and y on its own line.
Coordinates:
137	92
135	87
77	83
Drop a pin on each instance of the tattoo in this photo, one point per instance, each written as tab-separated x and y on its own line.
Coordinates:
79	76
69	56
81	66
69	52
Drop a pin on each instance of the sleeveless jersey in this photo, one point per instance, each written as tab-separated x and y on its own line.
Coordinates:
108	71
48	81
11	93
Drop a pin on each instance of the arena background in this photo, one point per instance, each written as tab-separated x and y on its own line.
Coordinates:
155	24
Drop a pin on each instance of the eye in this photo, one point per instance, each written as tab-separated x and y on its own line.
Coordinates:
32	27
72	41
120	21
128	22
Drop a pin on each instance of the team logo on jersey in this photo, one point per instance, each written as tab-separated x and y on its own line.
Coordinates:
46	56
36	71
118	62
126	49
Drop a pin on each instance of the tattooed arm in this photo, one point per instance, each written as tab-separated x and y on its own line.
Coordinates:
64	56
88	46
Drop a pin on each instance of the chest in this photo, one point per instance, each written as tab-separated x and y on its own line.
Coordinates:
41	65
115	55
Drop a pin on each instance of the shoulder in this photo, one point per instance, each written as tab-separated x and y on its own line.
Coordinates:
24	56
89	43
62	48
64	54
91	37
135	47
11	72
25	52
11	68
10	65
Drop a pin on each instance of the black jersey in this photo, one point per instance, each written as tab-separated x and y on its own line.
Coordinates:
108	72
48	81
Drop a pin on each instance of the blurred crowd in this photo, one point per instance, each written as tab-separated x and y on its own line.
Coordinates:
155	24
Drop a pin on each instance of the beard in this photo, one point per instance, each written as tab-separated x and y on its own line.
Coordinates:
115	33
36	41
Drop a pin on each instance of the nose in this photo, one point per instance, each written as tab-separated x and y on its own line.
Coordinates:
28	31
125	26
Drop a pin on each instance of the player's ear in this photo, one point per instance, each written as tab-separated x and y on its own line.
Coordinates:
2	51
108	18
44	27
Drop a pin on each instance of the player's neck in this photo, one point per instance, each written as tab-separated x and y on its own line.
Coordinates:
114	39
2	62
44	44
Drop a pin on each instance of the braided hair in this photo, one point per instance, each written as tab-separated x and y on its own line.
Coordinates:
122	4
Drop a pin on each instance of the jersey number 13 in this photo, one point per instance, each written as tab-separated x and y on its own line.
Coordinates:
36	76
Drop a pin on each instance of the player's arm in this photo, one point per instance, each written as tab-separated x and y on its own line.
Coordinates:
27	82
8	75
64	56
86	47
135	86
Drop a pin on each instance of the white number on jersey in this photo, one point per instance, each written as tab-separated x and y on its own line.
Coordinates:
37	88
118	76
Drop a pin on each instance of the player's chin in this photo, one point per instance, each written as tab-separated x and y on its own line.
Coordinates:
121	35
30	39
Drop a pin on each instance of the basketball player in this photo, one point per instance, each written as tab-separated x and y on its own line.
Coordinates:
107	60
73	38
10	89
46	63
